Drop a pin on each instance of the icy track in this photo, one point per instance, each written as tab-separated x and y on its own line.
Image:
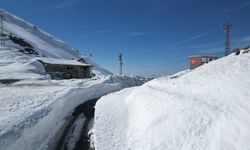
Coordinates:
205	109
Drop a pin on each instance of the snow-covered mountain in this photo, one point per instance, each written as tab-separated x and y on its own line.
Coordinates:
24	42
207	108
44	43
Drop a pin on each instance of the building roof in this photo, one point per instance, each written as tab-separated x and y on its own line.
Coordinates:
55	61
204	56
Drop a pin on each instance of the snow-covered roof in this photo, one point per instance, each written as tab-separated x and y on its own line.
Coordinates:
203	56
62	61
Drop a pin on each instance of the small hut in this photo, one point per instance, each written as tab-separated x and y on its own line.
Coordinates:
196	61
66	69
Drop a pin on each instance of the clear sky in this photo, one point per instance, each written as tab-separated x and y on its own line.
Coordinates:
155	36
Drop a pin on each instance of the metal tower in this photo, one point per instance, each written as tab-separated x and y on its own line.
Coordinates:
2	29
121	63
227	28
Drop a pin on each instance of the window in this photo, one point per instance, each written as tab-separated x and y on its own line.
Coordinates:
84	68
204	60
69	68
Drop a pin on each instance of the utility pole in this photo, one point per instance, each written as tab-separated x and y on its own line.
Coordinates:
120	63
2	29
227	28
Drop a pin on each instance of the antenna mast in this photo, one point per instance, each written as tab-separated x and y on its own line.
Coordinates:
1	30
227	28
121	63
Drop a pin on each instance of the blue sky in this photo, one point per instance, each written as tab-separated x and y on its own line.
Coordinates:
155	36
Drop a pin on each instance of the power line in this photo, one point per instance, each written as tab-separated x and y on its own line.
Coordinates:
159	65
175	43
186	59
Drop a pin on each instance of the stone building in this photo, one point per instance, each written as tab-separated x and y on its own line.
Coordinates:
66	69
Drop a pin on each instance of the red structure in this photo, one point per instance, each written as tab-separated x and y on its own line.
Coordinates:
196	61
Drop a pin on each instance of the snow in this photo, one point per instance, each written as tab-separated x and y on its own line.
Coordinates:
75	132
206	108
44	43
33	111
111	121
15	65
62	61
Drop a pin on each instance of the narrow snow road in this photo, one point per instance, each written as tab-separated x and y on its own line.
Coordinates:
75	132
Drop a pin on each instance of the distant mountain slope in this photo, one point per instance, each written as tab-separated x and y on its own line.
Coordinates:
24	42
44	43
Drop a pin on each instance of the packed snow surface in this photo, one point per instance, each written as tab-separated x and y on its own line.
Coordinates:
33	111
204	109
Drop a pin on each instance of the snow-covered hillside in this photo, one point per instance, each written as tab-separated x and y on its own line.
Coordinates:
42	42
15	64
206	108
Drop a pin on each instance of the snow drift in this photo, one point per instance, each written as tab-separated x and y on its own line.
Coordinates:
206	108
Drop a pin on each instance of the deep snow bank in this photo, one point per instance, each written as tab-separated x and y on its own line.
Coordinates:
15	65
206	108
111	118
